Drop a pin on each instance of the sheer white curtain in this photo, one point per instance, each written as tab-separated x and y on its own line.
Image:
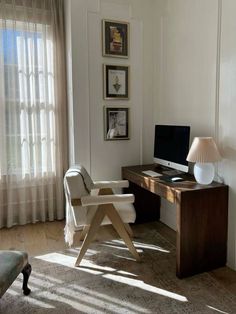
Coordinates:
33	154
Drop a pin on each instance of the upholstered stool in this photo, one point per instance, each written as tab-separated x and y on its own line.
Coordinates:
11	264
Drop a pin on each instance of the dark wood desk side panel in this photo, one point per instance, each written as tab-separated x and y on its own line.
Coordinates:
202	218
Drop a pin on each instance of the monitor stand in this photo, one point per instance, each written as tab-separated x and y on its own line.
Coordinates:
172	172
167	171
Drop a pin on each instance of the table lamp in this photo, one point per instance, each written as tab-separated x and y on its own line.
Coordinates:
204	153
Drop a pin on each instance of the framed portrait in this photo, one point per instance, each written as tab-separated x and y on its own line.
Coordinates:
115	36
116	81
116	123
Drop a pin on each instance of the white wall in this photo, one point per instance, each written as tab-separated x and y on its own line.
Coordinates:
104	159
189	80
227	114
174	79
185	70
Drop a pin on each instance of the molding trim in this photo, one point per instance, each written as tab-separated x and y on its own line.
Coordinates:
218	57
121	11
93	6
217	93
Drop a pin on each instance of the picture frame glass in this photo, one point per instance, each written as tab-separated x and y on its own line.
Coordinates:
116	84
116	79
116	123
115	39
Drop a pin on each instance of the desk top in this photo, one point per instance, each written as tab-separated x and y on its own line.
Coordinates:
169	190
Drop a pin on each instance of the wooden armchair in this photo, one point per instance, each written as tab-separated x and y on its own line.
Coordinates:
87	211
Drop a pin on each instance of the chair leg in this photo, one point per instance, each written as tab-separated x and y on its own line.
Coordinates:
129	230
83	233
118	224
126	232
95	224
26	273
109	191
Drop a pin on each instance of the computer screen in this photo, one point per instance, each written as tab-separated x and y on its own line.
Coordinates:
171	146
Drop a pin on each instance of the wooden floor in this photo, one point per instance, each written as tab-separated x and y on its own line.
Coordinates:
41	238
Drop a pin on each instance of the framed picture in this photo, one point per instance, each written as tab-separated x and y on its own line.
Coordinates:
116	123
115	36
116	81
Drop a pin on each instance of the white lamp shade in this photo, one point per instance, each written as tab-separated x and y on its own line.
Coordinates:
203	149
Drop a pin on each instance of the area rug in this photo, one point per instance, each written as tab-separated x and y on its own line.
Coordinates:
110	281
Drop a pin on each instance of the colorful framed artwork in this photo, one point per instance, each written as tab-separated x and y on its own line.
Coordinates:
116	81
115	39
116	123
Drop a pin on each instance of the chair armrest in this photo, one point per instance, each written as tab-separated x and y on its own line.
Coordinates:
110	184
106	199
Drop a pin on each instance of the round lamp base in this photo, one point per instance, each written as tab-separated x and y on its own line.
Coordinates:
204	172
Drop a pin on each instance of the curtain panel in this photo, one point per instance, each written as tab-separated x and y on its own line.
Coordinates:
33	115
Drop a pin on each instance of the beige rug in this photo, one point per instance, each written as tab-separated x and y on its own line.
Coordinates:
110	281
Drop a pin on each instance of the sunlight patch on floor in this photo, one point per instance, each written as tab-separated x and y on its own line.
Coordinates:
39	303
86	265
141	285
217	310
75	304
99	301
122	248
76	251
30	298
49	278
68	261
80	298
126	257
122	272
124	277
139	245
119	276
150	247
106	298
58	258
12	292
35	283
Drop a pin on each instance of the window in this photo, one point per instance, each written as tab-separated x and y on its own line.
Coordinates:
33	141
28	89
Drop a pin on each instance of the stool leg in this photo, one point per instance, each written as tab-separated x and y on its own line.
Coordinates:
26	273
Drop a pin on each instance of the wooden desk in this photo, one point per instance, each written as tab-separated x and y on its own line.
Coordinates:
202	218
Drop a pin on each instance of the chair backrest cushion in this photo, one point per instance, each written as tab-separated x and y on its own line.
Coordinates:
87	183
77	183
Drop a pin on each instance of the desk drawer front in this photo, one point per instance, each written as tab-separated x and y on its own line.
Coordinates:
151	185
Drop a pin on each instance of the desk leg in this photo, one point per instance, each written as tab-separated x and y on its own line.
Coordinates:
202	217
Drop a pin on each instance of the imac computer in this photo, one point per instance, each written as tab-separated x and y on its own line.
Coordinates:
171	146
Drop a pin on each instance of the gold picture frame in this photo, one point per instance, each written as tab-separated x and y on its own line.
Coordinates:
115	38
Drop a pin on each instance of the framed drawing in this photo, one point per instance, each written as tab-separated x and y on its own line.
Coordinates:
116	81
116	123
115	36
